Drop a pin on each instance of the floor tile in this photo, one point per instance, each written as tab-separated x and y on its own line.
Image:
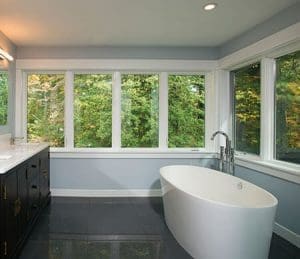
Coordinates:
113	228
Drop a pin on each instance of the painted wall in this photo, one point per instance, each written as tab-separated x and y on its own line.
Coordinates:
276	23
287	193
114	174
8	46
189	53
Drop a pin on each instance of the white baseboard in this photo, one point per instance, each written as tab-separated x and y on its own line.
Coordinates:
287	234
105	193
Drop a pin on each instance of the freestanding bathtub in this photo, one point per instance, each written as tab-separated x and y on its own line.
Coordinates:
214	215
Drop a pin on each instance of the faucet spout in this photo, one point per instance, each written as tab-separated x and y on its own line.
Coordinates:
229	153
219	132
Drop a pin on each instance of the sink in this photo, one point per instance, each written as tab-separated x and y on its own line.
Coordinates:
5	157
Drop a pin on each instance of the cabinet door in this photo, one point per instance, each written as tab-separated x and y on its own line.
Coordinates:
10	207
22	205
44	175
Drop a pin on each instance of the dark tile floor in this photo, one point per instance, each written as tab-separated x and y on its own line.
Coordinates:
112	228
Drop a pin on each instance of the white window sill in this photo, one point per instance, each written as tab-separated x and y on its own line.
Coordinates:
130	153
284	170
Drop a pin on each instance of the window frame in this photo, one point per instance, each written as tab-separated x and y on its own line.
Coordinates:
266	161
205	68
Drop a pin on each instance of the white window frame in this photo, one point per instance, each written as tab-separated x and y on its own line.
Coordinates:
265	51
116	68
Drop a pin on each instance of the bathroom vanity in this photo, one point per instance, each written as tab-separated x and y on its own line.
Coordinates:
25	190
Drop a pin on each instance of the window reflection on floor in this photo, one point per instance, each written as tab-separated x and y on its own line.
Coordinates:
124	247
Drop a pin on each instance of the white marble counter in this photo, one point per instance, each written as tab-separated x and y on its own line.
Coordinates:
13	155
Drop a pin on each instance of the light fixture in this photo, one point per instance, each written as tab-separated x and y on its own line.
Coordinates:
209	6
4	54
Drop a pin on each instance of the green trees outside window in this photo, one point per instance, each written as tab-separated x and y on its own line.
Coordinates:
287	111
92	113
247	108
186	119
3	97
93	110
140	110
45	108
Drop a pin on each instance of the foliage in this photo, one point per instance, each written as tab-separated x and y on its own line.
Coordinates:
45	108
186	111
288	108
92	110
247	108
139	110
3	97
139	117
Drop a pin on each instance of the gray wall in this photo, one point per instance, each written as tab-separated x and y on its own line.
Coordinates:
276	23
8	46
190	53
287	193
117	173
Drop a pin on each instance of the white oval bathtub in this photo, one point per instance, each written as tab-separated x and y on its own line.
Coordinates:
214	215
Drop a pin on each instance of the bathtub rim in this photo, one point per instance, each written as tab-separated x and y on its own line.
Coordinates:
273	204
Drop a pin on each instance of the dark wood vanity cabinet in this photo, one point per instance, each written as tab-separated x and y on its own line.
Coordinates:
25	191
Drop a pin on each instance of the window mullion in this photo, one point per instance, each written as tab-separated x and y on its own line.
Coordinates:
69	110
163	110
116	111
268	73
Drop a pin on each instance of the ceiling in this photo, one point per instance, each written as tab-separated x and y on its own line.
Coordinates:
143	23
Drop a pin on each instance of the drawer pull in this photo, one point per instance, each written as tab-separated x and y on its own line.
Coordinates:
34	166
34	187
17	207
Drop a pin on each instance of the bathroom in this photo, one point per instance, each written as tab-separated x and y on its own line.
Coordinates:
106	197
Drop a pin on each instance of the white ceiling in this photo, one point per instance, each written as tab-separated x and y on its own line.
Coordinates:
131	22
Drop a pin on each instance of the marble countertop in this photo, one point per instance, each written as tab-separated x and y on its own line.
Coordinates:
13	155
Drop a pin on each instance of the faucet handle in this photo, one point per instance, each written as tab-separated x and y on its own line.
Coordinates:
222	152
232	154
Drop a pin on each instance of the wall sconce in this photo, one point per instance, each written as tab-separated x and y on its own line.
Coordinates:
4	54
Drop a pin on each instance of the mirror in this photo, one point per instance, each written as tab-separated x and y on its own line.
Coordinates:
4	82
3	97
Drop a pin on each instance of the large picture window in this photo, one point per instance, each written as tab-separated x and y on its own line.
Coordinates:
287	111
246	85
92	110
117	110
186	125
139	104
45	108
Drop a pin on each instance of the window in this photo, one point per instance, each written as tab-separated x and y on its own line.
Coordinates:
45	108
92	110
3	97
116	110
186	96
246	83
287	108
139	105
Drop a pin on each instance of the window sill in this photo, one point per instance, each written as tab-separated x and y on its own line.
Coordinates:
283	170
129	153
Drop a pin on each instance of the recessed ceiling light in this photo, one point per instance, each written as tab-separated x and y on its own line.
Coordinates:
209	6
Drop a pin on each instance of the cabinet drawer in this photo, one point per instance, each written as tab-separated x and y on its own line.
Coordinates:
33	168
